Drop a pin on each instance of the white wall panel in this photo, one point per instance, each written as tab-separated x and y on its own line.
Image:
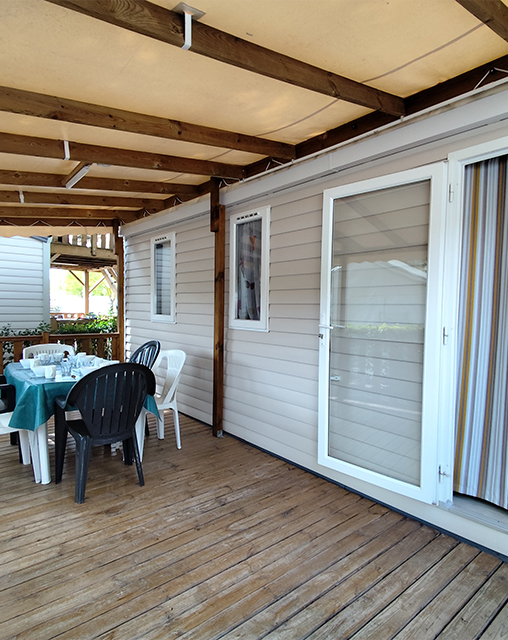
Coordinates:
24	282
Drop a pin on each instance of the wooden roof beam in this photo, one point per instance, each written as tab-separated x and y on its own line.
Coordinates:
167	26
49	148
65	215
493	13
33	179
43	197
64	110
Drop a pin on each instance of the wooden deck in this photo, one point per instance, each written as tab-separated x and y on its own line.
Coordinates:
225	541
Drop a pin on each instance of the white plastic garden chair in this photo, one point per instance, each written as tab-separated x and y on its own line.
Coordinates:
28	441
52	347
168	369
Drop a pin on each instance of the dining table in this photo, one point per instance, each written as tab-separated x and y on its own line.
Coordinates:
35	397
34	407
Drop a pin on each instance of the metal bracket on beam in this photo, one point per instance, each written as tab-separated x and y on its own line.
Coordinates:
189	14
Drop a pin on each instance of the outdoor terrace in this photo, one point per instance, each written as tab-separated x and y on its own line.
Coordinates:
226	541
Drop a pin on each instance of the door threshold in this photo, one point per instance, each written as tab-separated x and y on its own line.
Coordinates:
480	511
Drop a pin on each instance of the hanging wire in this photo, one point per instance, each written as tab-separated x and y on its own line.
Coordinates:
493	70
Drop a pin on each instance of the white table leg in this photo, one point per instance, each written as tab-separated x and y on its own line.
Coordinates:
34	451
140	431
24	443
40	453
42	435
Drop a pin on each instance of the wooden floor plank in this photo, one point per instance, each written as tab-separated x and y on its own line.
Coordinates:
431	621
475	617
225	541
417	596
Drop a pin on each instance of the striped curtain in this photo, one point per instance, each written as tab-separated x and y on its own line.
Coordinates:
481	468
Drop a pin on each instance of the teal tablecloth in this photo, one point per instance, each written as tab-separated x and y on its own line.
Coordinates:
35	396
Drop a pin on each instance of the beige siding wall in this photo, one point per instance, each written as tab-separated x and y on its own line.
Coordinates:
271	377
24	282
193	330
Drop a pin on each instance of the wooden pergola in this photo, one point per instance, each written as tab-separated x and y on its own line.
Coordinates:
70	159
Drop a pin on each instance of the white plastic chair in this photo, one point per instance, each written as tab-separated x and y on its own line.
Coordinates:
28	441
52	347
167	370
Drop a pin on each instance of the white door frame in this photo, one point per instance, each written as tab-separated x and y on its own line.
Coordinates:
427	491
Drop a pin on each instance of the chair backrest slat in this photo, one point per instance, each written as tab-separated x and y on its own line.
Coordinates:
147	353
111	398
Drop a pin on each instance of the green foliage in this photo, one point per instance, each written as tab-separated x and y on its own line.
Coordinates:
73	287
8	347
7	330
96	324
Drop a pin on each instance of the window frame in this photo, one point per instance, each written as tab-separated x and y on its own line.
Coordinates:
159	317
263	214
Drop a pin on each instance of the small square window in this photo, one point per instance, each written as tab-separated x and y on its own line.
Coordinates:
163	278
249	249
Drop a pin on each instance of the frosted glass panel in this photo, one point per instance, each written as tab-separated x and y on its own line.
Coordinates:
163	275
378	305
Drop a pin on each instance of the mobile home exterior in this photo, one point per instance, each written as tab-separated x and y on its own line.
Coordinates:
24	282
382	421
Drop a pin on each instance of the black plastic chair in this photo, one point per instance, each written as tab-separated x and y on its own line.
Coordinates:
109	401
7	397
7	404
147	353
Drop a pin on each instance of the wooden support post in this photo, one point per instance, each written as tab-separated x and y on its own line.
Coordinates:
218	226
120	291
87	292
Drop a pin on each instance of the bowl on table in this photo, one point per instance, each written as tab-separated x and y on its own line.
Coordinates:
39	371
25	363
87	369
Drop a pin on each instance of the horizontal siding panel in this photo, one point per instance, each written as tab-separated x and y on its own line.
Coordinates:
293	428
291	296
296	239
292	282
295	267
301	311
187	308
244	426
197	287
376	367
271	393
286	367
20	290
272	338
291	354
281	412
203	275
190	256
275	380
374	386
294	325
302	252
281	225
18	271
193	244
307	200
205	298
